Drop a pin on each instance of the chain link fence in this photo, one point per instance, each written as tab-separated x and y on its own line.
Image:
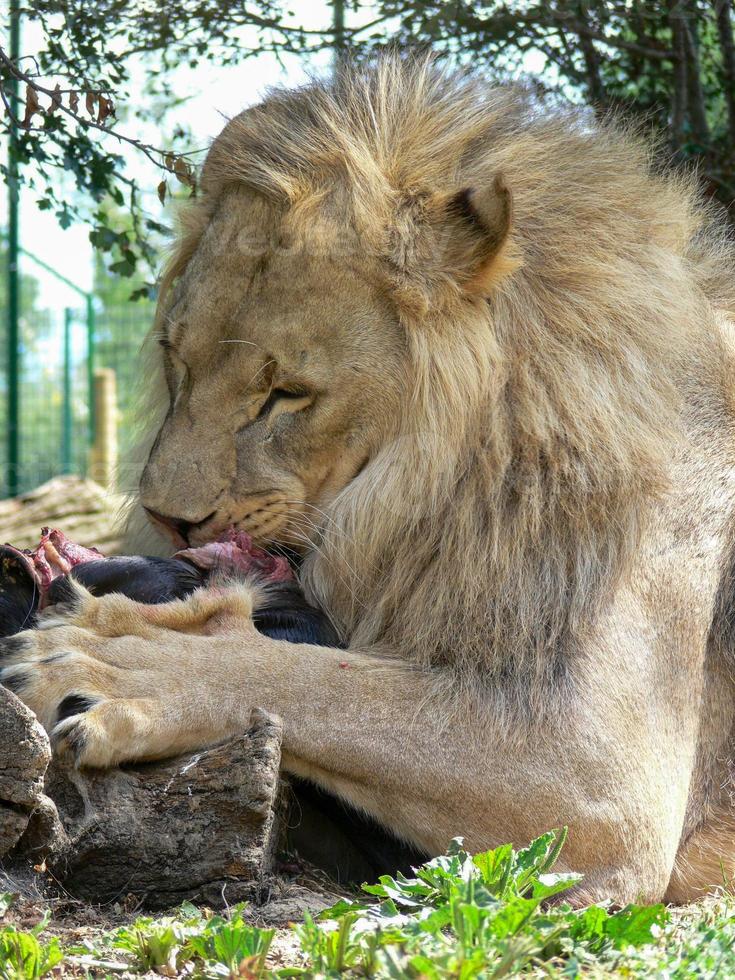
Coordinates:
60	347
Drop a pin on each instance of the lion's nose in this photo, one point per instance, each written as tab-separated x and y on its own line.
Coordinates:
181	528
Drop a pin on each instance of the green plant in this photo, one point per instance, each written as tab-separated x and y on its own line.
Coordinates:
230	945
23	956
458	916
470	916
154	945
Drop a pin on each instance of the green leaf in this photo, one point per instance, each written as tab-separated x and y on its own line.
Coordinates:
632	926
495	867
547	885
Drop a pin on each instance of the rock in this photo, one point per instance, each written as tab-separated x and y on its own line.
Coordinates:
202	827
24	758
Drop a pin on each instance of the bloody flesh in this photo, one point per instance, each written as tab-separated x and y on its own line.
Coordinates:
232	554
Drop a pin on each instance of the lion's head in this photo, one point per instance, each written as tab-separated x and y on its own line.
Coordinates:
284	366
460	410
284	347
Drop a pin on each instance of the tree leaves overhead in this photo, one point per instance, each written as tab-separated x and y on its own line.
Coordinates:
670	62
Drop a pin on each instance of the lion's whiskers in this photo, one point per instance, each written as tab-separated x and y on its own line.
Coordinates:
310	524
299	534
334	529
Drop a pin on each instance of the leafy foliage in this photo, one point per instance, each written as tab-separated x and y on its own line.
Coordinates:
22	955
225	944
670	63
153	944
487	915
497	914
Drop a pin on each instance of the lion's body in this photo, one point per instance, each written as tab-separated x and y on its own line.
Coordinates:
526	526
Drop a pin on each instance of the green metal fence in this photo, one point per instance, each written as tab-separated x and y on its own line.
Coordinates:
59	349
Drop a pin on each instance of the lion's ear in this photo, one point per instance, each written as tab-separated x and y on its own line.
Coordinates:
478	251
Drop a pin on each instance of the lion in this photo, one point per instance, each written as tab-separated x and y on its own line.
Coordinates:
471	356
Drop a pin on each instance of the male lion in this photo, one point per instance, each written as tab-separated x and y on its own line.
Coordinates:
503	439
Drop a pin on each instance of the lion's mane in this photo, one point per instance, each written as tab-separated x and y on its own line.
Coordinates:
538	423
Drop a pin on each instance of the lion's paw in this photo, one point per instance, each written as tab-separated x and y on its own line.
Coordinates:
103	734
63	670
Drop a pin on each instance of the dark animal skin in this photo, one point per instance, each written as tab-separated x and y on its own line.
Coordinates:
286	616
346	844
18	594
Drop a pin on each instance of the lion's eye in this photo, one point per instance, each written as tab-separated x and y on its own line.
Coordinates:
277	395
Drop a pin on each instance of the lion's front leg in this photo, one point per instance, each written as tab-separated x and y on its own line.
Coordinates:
406	744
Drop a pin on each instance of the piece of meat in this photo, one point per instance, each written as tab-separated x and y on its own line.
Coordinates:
56	555
33	579
235	554
27	576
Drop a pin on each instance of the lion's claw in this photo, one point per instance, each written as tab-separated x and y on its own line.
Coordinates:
69	738
75	704
103	735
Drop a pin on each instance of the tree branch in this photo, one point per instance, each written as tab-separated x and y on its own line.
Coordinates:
156	156
584	31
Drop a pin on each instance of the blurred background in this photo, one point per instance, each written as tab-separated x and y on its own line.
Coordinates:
108	109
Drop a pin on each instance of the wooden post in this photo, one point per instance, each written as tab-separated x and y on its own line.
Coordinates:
103	453
13	284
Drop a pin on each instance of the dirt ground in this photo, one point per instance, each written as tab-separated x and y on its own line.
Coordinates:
296	888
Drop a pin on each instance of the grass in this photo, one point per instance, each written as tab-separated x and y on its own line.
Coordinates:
463	916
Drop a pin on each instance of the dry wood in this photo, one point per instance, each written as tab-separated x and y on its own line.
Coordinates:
82	509
201	827
103	454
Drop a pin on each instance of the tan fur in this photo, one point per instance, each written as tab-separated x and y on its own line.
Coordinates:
507	459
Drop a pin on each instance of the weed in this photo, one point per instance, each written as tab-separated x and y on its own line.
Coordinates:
458	916
230	946
153	944
23	956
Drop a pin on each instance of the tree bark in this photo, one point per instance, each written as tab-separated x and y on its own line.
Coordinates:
727	46
591	63
695	94
679	85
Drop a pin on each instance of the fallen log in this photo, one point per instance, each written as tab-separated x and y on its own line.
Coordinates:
201	827
87	512
24	757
